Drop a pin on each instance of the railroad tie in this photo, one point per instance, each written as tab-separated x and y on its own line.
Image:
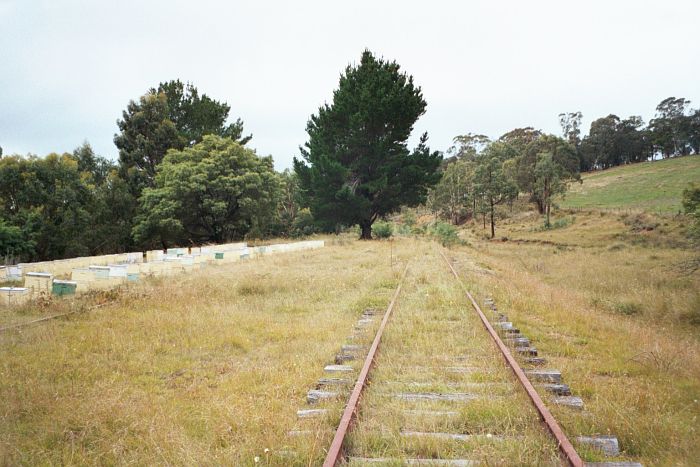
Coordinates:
451	436
333	382
338	368
360	461
569	401
311	413
608	445
549	376
435	396
314	396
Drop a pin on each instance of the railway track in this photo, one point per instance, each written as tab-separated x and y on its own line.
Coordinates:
438	386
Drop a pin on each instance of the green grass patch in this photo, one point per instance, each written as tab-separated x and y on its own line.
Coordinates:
650	186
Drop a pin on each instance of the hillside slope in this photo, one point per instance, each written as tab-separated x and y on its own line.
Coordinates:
650	186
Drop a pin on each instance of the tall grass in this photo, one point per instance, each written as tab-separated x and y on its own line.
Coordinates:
205	369
613	315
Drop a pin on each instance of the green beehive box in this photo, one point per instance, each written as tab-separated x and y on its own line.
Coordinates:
218	256
62	288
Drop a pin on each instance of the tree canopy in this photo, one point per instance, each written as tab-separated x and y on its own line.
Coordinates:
356	165
173	116
215	191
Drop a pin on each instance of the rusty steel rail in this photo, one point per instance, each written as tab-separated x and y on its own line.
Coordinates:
48	318
335	452
565	445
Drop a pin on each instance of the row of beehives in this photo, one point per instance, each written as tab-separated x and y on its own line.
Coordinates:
100	277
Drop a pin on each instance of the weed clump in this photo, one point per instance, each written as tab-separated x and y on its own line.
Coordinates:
557	224
692	316
640	223
383	229
628	308
446	234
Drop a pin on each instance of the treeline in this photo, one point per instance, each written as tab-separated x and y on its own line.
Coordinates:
612	141
184	176
481	174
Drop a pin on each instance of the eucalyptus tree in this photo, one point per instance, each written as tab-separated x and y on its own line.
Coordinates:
492	185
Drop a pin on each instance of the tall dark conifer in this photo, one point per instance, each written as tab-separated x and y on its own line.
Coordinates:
356	164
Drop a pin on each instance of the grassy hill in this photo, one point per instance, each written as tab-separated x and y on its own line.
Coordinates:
650	186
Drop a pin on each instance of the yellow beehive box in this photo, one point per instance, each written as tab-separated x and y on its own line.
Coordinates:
82	275
11	296
38	282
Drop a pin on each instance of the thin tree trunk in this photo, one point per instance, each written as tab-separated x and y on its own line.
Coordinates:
493	224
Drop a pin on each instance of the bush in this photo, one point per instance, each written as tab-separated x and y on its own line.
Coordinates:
404	229
383	229
557	224
691	205
628	308
446	234
640	223
303	224
409	219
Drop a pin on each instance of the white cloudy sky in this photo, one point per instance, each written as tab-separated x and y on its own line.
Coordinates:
68	68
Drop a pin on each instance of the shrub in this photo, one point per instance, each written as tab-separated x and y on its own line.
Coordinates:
409	219
383	229
303	224
640	223
691	205
446	234
557	224
628	308
404	229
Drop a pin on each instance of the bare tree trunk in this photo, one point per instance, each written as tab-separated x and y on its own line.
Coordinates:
366	228
493	224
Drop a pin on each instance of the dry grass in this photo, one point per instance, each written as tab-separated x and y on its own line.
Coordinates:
210	369
206	369
614	313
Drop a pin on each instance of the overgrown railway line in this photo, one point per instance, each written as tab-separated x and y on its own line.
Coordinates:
439	394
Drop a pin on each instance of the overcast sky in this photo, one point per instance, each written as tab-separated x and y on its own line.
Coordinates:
68	68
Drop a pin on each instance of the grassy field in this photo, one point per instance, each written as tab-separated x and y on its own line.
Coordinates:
205	369
616	307
210	368
651	186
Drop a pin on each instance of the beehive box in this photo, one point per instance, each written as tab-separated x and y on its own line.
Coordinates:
154	268
135	257
99	272
82	275
62	288
13	273
176	251
106	283
171	267
38	282
154	255
117	270
11	296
